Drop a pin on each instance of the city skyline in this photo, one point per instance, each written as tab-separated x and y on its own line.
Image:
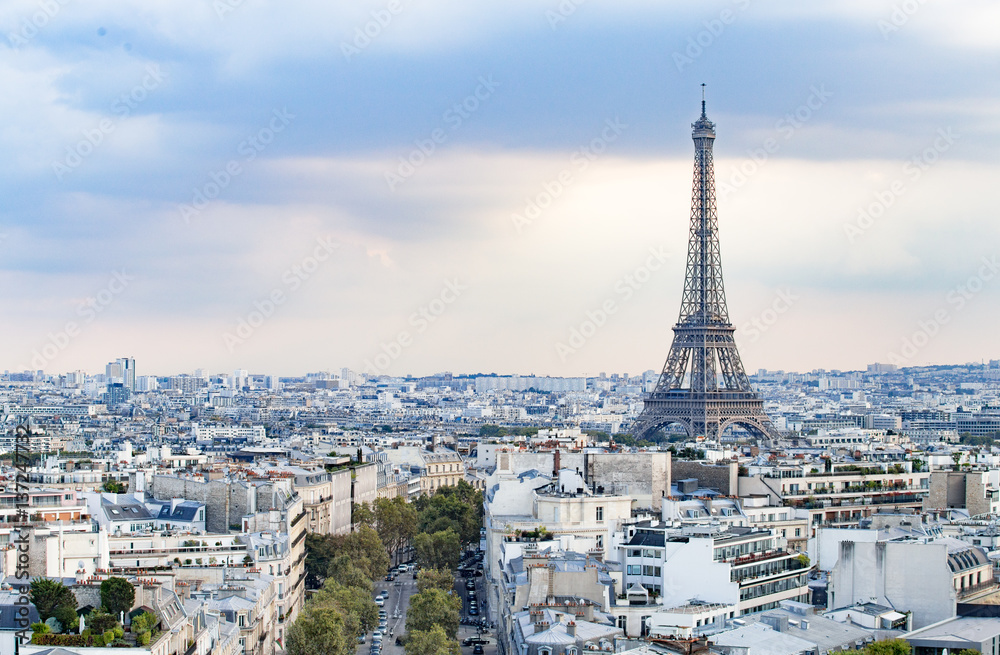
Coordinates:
495	189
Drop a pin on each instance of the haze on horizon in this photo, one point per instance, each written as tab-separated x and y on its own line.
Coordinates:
258	185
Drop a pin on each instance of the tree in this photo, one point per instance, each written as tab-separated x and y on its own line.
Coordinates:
117	595
343	571
100	621
366	551
115	487
362	514
459	507
319	630
888	647
431	642
396	521
319	554
355	604
441	550
433	607
435	579
49	595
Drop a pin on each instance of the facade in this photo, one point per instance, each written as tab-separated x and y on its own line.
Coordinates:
745	567
909	576
843	495
976	491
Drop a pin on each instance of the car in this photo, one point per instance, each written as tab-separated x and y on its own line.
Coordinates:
473	611
377	635
361	639
379	601
403	568
477	649
382	614
471	594
470	584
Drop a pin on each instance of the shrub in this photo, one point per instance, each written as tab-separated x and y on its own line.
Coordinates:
41	628
142	639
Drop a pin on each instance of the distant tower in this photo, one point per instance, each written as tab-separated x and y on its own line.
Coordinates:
703	386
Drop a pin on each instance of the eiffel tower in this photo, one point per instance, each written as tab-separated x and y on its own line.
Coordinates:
703	386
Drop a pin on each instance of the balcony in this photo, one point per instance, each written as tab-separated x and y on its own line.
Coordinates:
978	590
752	558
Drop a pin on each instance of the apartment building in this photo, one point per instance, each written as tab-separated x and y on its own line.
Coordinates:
839	494
749	568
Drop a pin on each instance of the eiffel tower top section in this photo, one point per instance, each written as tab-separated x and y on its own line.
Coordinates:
704	299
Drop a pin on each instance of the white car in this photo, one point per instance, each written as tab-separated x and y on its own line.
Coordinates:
403	568
380	601
377	635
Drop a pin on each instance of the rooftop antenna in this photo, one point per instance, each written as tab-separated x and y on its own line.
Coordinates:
703	100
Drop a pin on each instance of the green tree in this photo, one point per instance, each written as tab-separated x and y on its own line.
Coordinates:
365	549
115	487
433	607
100	621
319	553
431	642
117	595
318	630
343	571
441	550
435	579
355	604
459	507
396	522
888	647
49	595
362	514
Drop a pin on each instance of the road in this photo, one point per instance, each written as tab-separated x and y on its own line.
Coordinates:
400	591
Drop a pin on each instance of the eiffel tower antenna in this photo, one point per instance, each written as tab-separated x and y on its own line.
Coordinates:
703	386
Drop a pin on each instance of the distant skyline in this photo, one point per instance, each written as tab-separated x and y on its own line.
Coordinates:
420	187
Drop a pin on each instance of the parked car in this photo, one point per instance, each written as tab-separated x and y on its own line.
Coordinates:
403	568
377	635
379	601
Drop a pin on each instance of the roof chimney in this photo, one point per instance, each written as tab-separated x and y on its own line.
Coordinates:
541	626
571	628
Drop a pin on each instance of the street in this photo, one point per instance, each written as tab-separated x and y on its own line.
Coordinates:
400	591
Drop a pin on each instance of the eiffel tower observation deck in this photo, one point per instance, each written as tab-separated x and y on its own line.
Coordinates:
703	386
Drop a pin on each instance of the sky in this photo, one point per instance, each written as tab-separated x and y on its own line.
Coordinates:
408	187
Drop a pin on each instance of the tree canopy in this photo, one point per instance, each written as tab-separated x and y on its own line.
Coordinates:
433	607
431	642
888	647
318	630
441	550
117	595
48	596
442	579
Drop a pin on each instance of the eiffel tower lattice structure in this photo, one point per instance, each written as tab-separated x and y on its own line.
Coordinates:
703	386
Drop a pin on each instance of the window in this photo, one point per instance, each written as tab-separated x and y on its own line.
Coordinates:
634	569
600	513
242	621
623	623
600	541
798	532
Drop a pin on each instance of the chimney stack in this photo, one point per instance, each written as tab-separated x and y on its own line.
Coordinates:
571	628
